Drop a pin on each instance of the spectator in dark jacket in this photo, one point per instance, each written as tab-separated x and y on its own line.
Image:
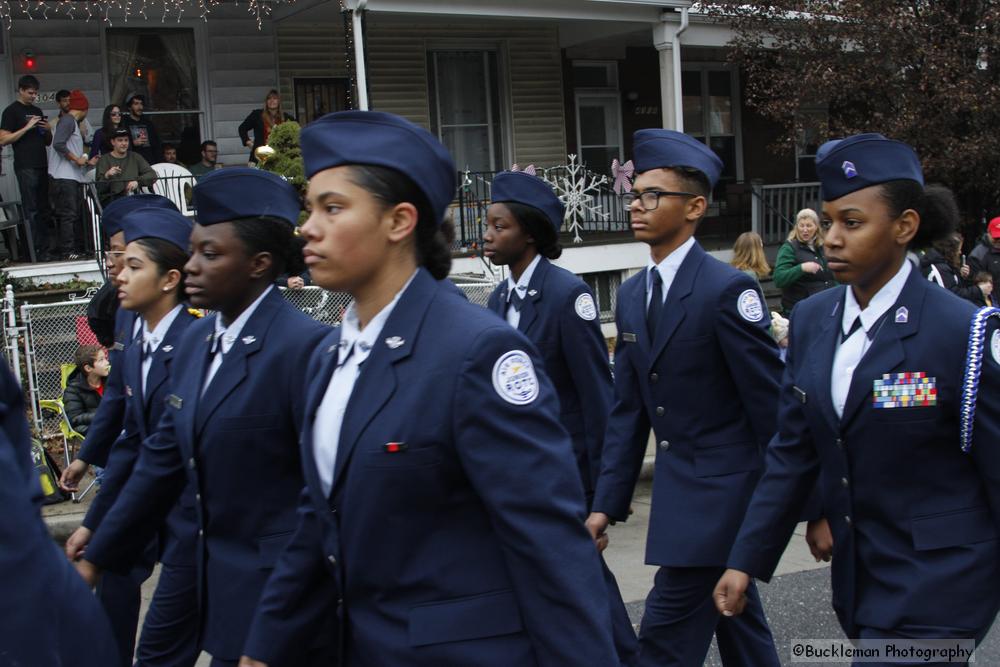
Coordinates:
986	255
942	264
85	386
260	122
800	267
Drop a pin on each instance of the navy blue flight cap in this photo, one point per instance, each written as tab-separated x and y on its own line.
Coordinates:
522	188
225	195
382	140
111	217
158	223
857	162
664	149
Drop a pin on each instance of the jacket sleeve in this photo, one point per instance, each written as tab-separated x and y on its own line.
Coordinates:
146	174
751	355
786	269
247	125
519	460
121	462
64	130
790	474
586	356
142	506
298	597
73	404
627	433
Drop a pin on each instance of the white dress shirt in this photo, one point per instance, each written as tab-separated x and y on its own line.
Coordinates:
513	314
668	268
355	346
852	349
151	341
227	336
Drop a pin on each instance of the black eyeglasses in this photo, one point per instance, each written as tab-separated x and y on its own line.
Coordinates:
650	199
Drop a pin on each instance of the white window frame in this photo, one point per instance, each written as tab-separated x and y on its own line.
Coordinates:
734	94
599	93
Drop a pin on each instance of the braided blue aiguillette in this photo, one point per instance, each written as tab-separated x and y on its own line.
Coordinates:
973	370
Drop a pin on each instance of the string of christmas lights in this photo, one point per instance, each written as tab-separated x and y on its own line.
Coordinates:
104	9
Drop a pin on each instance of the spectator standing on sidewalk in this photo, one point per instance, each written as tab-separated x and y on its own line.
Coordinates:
25	127
122	171
942	264
66	167
800	269
986	255
145	140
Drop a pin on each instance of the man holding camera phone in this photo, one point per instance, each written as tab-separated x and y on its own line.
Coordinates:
25	127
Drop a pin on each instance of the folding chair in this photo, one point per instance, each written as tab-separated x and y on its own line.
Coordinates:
69	435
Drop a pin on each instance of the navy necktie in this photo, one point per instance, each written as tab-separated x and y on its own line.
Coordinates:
655	303
515	300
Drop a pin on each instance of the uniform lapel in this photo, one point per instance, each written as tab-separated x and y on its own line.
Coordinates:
529	307
314	396
634	315
377	381
160	369
821	354
234	363
498	299
131	361
886	351
674	310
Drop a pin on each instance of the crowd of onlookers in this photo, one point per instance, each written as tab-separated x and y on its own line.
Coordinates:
53	157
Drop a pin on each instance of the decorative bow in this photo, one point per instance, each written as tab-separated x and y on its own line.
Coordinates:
623	176
529	170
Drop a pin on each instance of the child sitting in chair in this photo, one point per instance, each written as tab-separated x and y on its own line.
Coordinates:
85	386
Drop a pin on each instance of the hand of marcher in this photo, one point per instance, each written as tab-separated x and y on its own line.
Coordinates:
811	267
77	543
247	661
597	524
820	540
88	571
69	481
730	593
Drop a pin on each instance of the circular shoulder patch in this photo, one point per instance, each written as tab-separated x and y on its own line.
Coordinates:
749	305
514	378
585	307
995	346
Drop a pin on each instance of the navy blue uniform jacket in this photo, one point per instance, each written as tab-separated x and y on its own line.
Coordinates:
466	548
708	385
47	614
142	414
914	520
108	420
575	356
237	448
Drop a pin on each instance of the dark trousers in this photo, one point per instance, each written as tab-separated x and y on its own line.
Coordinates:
170	631
120	596
66	201
680	618
626	645
33	185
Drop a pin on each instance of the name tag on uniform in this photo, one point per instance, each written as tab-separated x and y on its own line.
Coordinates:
175	401
904	390
799	394
118	346
628	337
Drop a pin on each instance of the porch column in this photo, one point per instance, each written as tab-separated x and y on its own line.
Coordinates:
666	38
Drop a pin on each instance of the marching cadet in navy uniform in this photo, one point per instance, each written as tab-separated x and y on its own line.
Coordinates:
151	284
556	311
46	613
230	427
443	509
872	403
695	361
120	593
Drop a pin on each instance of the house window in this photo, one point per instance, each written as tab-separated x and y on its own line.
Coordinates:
813	130
598	114
711	114
161	65
605	286
465	107
318	97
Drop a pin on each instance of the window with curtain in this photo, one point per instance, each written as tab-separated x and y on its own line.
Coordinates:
709	99
465	107
161	65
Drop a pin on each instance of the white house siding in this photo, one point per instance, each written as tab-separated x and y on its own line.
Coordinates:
397	49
